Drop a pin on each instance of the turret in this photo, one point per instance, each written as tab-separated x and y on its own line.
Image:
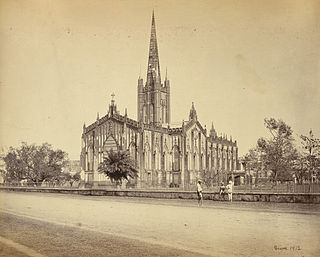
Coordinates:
213	132
193	113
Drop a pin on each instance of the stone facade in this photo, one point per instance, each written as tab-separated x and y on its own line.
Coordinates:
165	156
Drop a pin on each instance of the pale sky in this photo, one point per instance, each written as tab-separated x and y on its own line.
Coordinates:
238	61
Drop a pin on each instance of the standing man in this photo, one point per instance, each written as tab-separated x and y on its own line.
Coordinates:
222	188
199	192
230	189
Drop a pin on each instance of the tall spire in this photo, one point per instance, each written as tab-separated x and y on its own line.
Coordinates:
153	62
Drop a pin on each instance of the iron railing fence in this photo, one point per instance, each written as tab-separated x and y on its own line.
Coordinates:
40	185
280	188
263	188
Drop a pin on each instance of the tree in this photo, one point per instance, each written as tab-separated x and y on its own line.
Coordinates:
71	178
253	162
118	166
300	169
278	152
33	163
311	156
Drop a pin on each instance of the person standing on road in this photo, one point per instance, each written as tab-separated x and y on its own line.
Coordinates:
222	188
230	189
199	192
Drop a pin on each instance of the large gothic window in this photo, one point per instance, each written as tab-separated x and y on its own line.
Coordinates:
176	158
110	144
90	158
167	159
189	161
132	151
147	157
157	159
163	113
196	161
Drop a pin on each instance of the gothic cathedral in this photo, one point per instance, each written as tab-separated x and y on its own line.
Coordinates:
165	156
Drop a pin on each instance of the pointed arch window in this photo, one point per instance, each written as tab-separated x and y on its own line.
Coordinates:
189	161
151	113
157	159
90	158
145	118
196	161
147	159
110	144
176	158
132	151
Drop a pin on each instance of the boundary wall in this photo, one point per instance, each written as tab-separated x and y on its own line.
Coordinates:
167	194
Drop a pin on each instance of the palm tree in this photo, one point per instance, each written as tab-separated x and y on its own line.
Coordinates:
118	166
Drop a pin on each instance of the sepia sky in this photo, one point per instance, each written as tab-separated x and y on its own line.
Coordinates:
238	61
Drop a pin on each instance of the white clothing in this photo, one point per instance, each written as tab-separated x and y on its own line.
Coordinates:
199	188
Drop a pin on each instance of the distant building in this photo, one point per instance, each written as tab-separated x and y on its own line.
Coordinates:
166	156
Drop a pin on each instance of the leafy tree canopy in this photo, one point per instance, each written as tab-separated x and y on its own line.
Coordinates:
71	178
117	166
278	152
309	160
34	163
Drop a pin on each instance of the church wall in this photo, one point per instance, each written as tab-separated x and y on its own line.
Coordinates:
155	152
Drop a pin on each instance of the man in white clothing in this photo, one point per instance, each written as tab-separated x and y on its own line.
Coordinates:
230	189
199	192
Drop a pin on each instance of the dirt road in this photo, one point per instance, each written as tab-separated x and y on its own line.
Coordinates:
217	229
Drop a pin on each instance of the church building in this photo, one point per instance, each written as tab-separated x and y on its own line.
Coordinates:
165	156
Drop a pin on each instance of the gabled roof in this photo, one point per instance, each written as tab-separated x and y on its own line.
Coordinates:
189	124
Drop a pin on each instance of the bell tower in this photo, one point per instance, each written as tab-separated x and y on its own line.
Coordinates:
153	96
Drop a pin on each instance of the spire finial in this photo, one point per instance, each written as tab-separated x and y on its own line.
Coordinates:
166	73
153	62
112	98
98	116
